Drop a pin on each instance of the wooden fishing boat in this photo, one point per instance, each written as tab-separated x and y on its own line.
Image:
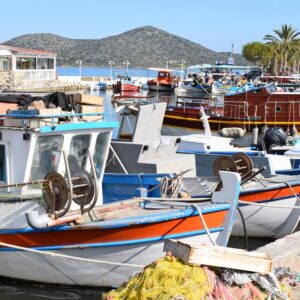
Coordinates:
256	107
125	84
55	227
163	82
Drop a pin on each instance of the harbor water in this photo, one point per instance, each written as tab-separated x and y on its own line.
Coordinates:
11	289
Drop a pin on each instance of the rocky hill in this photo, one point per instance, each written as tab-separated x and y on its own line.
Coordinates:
143	47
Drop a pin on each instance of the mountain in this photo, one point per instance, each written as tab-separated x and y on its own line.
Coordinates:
143	47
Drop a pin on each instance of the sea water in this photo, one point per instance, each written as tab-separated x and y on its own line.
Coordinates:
105	72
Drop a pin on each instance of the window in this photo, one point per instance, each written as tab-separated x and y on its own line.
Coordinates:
78	151
5	63
26	63
46	156
45	63
102	143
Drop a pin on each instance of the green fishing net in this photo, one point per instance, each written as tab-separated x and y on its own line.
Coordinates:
169	278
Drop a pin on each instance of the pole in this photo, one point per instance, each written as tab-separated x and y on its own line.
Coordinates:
110	69
182	62
80	69
79	62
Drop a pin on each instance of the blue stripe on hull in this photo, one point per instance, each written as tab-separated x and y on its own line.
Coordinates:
122	243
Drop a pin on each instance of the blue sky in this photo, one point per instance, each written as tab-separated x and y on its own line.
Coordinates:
214	24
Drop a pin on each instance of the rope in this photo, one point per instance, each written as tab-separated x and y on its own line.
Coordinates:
170	187
204	225
284	182
52	254
176	199
269	205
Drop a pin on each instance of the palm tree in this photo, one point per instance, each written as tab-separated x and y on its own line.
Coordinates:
285	40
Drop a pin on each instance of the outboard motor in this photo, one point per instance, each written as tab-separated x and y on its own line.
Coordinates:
275	136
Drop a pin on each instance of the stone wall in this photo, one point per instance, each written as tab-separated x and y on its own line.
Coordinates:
6	81
11	82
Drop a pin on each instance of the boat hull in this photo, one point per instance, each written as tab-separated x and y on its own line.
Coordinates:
86	272
160	87
44	251
125	87
191	120
268	221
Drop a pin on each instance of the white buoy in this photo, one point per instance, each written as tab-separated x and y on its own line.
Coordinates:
294	131
232	132
255	135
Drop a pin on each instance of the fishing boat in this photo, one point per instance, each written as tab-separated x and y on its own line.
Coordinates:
248	109
139	147
55	227
124	83
164	81
269	204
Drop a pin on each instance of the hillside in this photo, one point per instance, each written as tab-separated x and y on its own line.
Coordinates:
143	47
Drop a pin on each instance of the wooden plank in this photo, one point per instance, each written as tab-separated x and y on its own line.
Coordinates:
220	257
91	109
88	99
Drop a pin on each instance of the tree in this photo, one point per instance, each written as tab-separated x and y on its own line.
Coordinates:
257	52
284	40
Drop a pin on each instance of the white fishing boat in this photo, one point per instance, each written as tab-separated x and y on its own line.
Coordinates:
54	226
270	203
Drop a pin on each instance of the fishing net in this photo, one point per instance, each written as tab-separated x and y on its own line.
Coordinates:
169	278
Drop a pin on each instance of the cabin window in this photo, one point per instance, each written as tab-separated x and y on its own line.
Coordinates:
2	164
26	63
102	143
163	75
46	156
78	151
278	108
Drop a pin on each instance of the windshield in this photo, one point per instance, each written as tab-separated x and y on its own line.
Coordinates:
78	151
100	151
46	156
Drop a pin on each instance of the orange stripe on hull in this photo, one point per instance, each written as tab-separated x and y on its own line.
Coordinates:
97	235
270	195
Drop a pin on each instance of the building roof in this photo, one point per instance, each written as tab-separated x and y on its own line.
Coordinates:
26	50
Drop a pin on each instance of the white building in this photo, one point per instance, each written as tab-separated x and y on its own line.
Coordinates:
28	64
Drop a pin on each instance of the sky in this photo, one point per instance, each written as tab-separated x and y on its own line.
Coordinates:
215	24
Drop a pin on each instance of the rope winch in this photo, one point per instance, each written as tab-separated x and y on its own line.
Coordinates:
239	163
79	186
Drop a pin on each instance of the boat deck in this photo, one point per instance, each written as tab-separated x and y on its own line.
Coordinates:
204	186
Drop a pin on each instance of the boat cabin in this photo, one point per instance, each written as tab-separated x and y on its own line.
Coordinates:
73	152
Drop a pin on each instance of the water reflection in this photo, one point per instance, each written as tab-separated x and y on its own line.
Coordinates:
15	290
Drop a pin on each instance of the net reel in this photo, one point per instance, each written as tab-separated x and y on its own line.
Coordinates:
79	186
239	163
